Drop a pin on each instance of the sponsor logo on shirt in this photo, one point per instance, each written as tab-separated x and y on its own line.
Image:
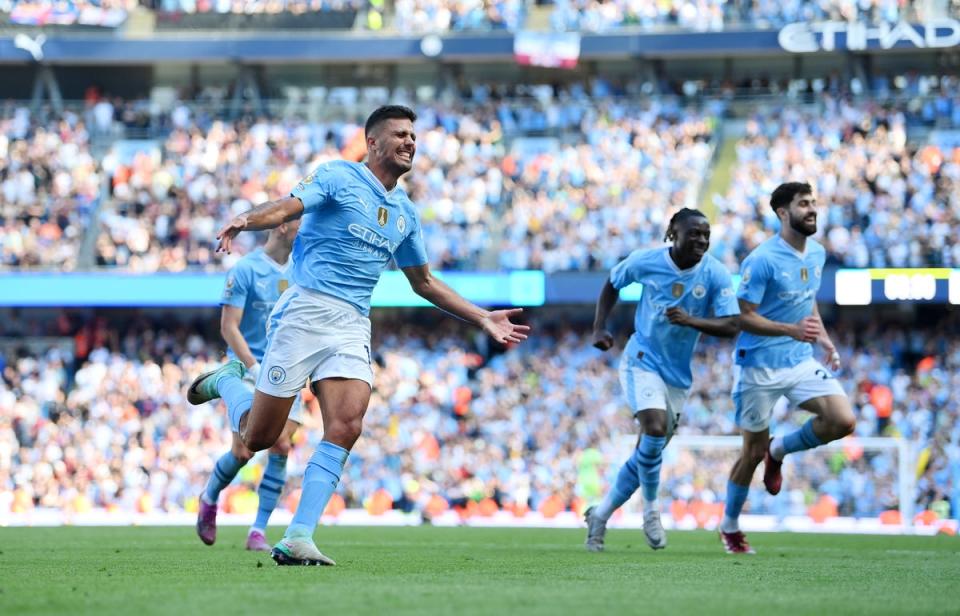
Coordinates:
371	237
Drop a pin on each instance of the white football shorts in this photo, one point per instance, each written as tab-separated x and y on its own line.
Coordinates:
296	411
313	336
645	390
756	390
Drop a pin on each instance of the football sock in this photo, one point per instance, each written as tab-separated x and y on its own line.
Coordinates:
237	398
270	487
223	473
736	497
651	505
649	457
799	440
628	480
319	481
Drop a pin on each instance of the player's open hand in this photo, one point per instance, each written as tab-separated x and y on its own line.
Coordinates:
497	324
602	339
678	316
230	231
833	357
807	329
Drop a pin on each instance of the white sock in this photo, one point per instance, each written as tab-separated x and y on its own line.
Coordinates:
606	507
649	506
776	448
729	525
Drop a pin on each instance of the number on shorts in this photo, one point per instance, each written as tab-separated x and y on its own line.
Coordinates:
823	374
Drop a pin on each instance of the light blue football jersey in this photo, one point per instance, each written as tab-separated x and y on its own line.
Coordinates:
784	284
704	290
351	229
254	284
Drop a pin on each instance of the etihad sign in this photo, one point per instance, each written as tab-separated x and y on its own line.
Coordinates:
823	36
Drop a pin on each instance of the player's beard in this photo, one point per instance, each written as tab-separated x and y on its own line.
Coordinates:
799	224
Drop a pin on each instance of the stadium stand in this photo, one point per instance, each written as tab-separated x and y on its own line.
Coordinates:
701	15
525	183
50	184
876	186
102	422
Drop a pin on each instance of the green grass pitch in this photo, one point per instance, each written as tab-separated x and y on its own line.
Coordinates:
462	571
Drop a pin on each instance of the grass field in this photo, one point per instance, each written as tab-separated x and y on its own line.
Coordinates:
470	571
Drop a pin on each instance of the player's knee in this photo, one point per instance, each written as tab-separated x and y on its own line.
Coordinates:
657	430
653	422
344	431
257	440
242	454
844	426
281	447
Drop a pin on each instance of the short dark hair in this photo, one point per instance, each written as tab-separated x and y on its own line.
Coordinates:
784	194
388	112
683	214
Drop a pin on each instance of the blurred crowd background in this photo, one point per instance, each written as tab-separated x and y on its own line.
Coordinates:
554	178
423	16
99	420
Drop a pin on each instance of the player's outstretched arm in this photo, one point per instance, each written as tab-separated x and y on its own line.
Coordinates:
603	339
496	323
264	216
833	357
721	327
806	330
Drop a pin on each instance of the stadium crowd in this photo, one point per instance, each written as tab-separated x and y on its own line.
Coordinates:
49	183
560	179
415	16
702	15
452	423
886	202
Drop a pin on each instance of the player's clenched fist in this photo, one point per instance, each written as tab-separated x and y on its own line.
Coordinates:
807	329
603	340
678	316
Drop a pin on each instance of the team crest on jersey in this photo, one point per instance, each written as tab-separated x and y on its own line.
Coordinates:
282	285
382	216
699	291
401	224
276	375
804	275
727	292
677	289
816	271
